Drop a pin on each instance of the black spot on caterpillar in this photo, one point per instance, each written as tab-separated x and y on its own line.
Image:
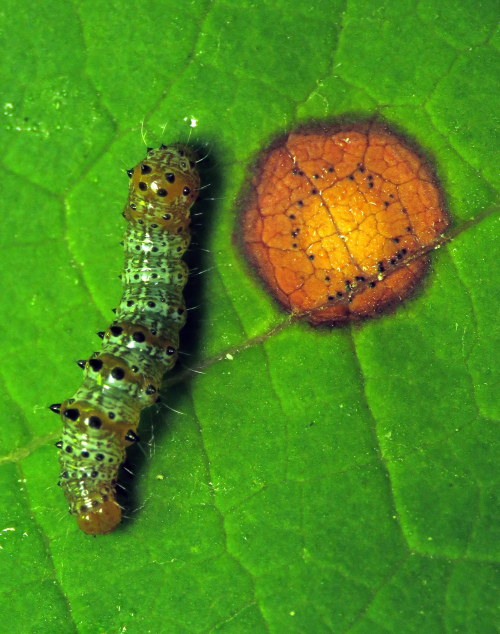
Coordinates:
100	421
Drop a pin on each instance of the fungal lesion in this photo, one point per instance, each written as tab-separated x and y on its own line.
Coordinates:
367	208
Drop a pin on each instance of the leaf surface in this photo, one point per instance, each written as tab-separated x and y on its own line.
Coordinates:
314	480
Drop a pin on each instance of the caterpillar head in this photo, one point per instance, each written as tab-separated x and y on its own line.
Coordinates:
163	186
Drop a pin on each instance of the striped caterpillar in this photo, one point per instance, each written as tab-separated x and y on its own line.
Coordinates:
100	421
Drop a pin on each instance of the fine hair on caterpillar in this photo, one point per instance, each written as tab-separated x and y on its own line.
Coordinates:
100	420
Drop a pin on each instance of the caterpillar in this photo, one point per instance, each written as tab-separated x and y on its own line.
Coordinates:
100	421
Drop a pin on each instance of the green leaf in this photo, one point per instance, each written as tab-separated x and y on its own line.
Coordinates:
314	480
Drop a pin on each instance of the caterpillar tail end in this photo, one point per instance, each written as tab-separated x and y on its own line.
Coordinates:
101	520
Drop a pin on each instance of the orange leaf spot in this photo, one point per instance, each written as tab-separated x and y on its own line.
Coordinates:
338	221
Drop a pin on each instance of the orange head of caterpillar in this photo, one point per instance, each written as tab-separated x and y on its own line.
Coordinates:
166	182
100	520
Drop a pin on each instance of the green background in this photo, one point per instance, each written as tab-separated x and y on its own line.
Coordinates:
314	480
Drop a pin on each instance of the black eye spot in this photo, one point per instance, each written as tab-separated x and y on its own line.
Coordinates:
71	413
99	457
130	302
133	206
95	364
142	186
186	191
118	373
116	331
146	169
94	474
150	389
95	422
139	337
170	350
151	304
68	449
170	176
162	192
167	216
85	454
